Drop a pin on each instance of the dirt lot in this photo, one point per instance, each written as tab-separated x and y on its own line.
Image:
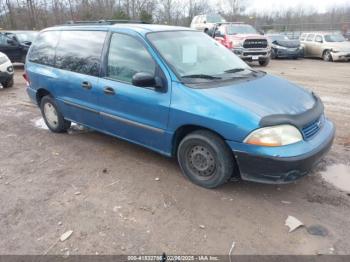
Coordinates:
106	190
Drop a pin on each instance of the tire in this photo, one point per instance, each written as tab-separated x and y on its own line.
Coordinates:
8	83
264	62
327	56
205	159
52	116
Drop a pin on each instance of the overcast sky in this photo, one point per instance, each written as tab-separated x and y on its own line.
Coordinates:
268	6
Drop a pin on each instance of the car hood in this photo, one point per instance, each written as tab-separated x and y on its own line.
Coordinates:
267	95
246	36
287	43
342	46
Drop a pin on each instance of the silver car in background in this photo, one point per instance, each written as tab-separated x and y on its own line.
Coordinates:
329	46
206	22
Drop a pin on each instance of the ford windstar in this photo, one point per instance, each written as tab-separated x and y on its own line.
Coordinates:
179	92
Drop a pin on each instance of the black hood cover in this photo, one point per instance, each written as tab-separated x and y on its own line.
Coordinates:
287	43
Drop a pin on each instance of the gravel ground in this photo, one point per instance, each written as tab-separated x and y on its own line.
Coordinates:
108	192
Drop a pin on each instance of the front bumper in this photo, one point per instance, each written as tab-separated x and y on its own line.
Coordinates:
284	164
7	74
341	56
289	52
256	54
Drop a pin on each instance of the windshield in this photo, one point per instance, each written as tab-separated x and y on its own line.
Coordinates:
334	38
233	29
195	54
215	19
278	38
26	36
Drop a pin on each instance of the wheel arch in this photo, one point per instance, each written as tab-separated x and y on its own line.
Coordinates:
183	131
40	94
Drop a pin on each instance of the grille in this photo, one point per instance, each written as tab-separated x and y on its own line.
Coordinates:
255	43
311	129
254	53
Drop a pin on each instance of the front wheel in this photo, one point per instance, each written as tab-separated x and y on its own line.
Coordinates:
327	56
8	83
52	116
264	62
273	54
205	159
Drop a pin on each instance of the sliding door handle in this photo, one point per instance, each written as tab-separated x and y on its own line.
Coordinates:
109	91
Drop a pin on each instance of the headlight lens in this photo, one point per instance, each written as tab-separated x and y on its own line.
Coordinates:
3	60
274	136
237	43
279	47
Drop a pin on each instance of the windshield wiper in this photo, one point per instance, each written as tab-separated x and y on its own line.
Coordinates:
201	76
235	70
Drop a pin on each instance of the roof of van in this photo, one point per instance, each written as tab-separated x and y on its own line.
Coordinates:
141	28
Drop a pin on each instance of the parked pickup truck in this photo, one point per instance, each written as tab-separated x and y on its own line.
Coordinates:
244	40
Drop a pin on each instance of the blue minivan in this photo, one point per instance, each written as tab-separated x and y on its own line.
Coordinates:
180	93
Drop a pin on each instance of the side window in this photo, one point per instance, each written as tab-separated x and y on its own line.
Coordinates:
302	37
43	49
80	51
3	40
318	39
310	37
126	57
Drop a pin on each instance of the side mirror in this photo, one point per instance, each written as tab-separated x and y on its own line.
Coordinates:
143	79
204	22
261	32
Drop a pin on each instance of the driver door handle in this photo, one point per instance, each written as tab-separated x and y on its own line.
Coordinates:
109	91
86	85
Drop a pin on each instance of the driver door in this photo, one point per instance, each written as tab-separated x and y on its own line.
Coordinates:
318	46
137	114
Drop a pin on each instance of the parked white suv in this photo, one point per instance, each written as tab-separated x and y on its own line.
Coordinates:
329	46
6	71
206	22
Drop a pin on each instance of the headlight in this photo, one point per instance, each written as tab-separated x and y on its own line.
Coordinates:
237	43
274	136
279	47
3	60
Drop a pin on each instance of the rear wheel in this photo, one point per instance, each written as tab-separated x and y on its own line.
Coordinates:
264	62
327	56
205	159
52	116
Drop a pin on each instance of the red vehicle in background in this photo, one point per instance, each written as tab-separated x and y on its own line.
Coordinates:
244	40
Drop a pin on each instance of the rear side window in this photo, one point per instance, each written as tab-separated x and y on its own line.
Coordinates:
310	37
80	51
43	48
127	56
302	37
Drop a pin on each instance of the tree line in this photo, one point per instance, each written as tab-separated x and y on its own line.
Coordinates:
38	14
